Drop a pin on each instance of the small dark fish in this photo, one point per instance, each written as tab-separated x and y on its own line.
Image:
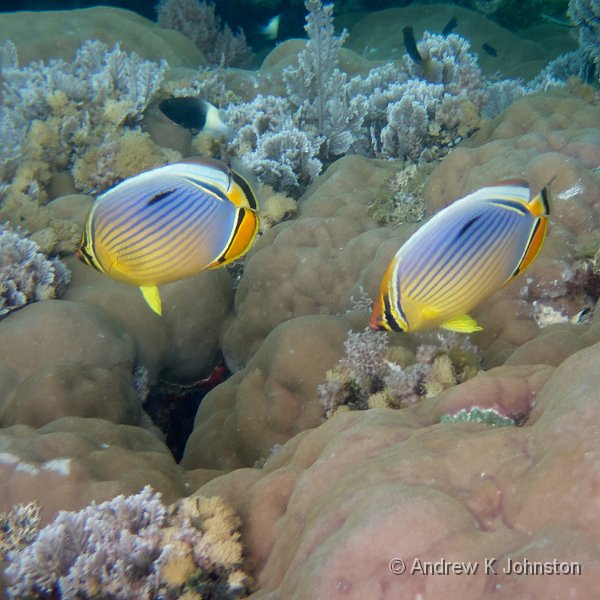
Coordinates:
194	114
411	45
489	50
450	25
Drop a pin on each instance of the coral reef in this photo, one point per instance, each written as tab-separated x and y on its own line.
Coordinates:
80	118
373	375
26	275
405	110
18	528
336	503
485	416
585	14
134	547
400	198
72	461
318	90
519	55
40	35
323	503
197	21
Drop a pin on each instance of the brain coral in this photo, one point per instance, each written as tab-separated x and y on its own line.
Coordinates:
314	264
333	507
72	461
41	35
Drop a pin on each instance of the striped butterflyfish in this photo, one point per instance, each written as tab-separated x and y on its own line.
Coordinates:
170	223
461	256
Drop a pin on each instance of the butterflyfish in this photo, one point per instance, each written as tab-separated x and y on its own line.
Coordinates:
170	223
196	115
461	256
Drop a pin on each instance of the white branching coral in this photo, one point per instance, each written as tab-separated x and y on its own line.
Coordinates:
373	374
134	548
27	275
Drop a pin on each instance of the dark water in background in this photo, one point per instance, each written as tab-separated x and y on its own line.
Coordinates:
512	14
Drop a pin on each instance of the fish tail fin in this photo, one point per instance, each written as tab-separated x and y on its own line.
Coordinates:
152	297
244	192
215	122
540	204
242	237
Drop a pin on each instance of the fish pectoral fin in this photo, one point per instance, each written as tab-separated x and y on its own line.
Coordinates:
464	324
152	297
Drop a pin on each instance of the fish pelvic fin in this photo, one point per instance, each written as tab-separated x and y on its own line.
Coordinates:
464	324
152	297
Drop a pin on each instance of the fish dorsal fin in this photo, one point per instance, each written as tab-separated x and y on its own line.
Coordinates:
464	324
209	172
540	204
514	182
152	297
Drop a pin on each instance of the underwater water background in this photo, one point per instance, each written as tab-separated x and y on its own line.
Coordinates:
297	299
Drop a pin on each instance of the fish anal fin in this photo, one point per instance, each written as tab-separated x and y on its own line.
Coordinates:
152	298
464	324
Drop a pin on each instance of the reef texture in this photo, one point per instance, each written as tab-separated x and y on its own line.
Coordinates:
586	15
198	22
42	35
331	509
376	37
330	483
134	548
25	273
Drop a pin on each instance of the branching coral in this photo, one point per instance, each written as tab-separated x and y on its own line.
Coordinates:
400	199
410	111
317	88
18	528
374	375
198	21
586	15
134	548
58	116
26	275
270	142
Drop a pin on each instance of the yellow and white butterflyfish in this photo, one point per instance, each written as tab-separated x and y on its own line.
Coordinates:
460	257
170	223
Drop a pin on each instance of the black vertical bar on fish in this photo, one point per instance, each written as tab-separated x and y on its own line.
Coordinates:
411	45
